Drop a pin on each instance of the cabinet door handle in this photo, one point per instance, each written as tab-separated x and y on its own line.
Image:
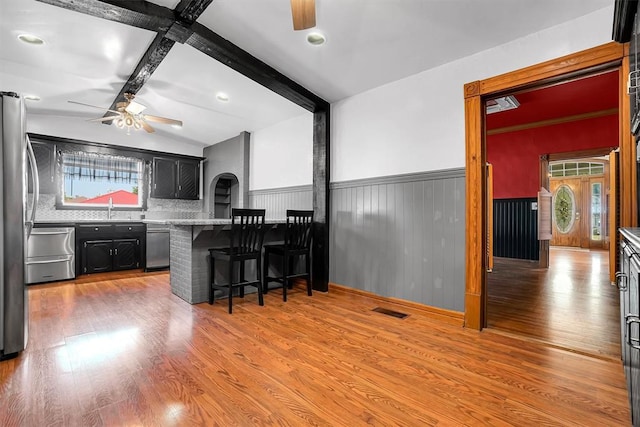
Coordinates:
633	342
116	251
622	281
110	252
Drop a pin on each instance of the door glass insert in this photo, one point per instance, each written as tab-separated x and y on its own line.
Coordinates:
596	211
564	208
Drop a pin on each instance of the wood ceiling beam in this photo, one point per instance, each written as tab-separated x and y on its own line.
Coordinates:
190	10
151	59
139	14
215	46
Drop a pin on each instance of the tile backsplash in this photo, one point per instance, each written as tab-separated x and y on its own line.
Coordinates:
156	209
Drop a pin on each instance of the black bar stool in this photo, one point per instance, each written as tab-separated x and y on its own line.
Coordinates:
245	244
297	243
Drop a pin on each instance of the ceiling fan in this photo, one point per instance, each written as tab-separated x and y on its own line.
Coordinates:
304	14
128	114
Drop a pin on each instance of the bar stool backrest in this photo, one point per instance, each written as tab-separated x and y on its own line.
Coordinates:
298	232
247	230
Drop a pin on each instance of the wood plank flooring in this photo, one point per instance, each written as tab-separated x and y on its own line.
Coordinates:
571	305
125	351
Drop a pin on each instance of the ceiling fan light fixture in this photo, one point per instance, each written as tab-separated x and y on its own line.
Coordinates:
222	97
120	122
31	39
316	39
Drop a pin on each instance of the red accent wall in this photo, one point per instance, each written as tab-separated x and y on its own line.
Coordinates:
515	155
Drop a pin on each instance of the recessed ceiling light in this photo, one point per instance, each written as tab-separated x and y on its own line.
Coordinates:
30	39
222	97
32	97
316	38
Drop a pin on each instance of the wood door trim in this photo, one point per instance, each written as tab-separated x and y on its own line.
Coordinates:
554	69
580	154
551	122
609	55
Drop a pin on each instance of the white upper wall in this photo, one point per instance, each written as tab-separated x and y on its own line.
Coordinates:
417	124
282	155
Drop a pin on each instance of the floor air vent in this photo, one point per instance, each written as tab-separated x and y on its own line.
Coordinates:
390	312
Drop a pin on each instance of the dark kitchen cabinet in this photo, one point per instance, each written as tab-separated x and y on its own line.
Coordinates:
106	255
45	161
108	247
188	180
175	178
164	177
628	281
97	256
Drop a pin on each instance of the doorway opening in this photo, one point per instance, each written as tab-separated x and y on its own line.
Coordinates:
610	56
556	138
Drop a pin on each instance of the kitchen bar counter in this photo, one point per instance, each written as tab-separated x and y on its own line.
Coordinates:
189	260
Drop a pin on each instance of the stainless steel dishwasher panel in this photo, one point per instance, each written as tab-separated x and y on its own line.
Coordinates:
50	255
158	244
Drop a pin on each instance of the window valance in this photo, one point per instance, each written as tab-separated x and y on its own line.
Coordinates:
100	167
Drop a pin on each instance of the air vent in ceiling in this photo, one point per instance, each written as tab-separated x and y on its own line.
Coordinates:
502	104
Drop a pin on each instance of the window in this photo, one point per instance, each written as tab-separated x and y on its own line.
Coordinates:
575	169
91	180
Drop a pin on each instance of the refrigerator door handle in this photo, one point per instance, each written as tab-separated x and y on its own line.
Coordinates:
36	186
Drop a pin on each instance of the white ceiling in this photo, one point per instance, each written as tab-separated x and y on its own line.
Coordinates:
369	43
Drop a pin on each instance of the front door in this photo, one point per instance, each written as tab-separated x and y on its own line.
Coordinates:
578	211
566	210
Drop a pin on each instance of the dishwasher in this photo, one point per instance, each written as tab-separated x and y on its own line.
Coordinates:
51	255
157	247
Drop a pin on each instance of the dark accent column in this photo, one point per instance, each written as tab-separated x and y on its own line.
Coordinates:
321	168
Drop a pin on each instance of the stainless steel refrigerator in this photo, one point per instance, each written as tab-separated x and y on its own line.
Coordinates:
15	151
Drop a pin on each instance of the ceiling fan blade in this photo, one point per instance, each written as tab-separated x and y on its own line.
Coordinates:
303	13
163	120
134	108
94	106
146	126
103	119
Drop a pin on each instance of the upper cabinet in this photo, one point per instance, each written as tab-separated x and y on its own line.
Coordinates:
45	160
188	179
175	178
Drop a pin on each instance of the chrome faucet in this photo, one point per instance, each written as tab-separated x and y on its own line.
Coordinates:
109	208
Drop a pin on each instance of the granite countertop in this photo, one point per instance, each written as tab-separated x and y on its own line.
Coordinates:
87	221
633	236
219	221
168	221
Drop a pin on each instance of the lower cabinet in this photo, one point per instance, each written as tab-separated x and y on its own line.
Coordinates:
628	282
108	247
107	255
97	256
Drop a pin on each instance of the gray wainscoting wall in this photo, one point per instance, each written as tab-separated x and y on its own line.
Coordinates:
401	236
276	201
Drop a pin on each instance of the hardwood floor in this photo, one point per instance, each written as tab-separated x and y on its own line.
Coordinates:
571	305
125	351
